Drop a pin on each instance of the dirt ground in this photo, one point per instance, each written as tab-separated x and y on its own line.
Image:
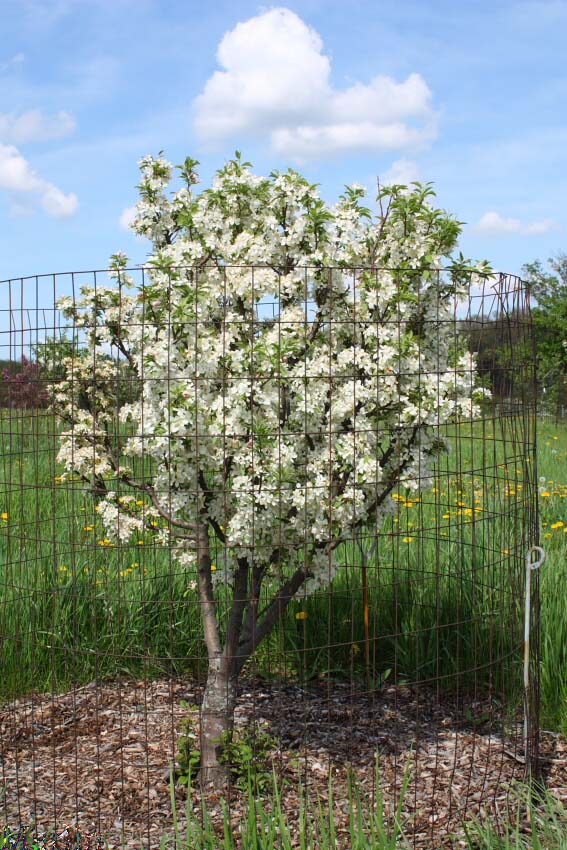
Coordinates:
100	756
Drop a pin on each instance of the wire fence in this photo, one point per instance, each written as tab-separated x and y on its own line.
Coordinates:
255	521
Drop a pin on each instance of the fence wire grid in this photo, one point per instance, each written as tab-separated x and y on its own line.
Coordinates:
290	515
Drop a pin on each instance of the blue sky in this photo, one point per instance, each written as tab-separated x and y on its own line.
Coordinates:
469	95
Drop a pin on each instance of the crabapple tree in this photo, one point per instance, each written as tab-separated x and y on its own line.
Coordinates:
269	437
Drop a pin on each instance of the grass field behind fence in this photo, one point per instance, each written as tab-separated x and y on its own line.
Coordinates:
75	607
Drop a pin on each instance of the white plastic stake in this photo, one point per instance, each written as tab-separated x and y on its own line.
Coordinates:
531	565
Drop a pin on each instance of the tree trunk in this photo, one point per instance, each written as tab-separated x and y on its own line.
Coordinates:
217	721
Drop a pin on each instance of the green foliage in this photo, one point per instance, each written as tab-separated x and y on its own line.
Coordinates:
549	290
246	751
188	752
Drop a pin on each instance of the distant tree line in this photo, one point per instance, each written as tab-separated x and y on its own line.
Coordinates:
27	383
505	347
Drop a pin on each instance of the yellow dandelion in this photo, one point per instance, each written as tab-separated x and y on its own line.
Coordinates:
505	551
548	534
63	568
88	527
301	615
446	516
213	568
557	524
545	495
407	540
4	515
140	502
140	542
58	479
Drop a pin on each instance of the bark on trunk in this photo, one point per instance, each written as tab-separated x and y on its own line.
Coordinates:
217	721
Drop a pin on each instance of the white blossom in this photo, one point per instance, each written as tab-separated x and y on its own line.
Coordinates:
300	423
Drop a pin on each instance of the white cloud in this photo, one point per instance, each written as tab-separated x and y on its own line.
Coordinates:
16	175
33	126
493	224
276	81
57	204
13	62
127	217
401	171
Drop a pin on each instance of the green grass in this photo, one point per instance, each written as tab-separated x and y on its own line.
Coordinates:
444	583
535	822
552	469
265	827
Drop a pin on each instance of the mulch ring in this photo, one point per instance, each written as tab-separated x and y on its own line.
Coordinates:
100	756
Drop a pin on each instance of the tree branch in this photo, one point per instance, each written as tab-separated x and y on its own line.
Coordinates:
206	593
272	613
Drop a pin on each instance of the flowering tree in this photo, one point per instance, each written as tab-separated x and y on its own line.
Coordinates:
272	439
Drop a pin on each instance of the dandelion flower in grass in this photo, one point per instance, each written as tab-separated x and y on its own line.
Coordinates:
505	551
213	568
63	568
446	516
301	615
548	534
88	527
557	524
4	515
545	494
407	540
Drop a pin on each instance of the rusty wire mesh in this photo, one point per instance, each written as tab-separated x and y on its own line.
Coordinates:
412	653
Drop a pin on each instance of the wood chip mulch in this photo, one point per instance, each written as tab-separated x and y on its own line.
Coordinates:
100	756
